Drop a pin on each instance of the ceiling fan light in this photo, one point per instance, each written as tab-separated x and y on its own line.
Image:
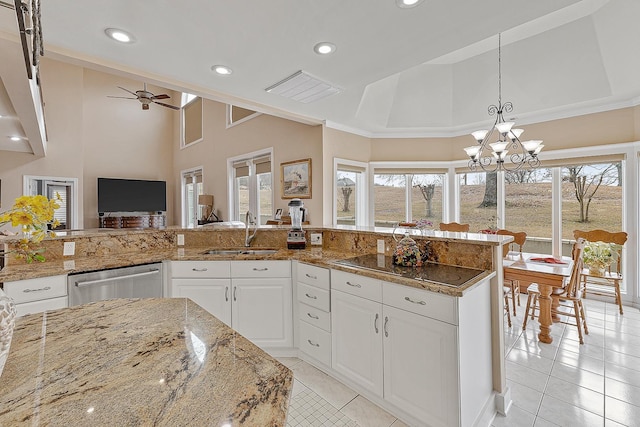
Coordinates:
120	35
479	134
504	127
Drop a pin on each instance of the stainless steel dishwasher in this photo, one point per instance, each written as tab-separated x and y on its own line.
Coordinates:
140	281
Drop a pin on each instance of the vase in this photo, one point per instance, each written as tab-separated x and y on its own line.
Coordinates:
596	271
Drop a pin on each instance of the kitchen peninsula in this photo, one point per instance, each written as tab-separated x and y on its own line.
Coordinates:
465	319
164	362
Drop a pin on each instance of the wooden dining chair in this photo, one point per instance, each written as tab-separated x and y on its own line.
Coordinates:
454	226
519	238
613	274
569	301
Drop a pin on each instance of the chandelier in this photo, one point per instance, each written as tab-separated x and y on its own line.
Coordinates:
491	156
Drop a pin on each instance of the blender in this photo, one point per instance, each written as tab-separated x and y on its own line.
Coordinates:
295	236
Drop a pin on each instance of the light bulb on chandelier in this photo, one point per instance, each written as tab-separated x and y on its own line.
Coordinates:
522	153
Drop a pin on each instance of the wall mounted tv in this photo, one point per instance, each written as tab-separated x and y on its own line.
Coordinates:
131	195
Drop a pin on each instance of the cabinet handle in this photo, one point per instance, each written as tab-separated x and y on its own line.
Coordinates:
226	293
311	296
415	302
199	269
46	288
313	344
310	276
260	269
355	285
375	323
312	316
386	332
235	289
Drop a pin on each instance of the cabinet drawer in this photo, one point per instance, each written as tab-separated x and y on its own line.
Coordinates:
315	316
312	275
206	269
425	303
315	342
355	284
260	269
315	297
36	289
41	306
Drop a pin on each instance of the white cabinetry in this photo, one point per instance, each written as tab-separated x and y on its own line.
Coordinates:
314	313
253	297
38	295
262	302
402	346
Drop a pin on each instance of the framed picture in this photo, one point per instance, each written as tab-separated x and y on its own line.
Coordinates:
295	179
278	214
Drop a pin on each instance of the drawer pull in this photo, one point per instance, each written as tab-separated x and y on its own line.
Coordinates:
46	288
375	323
311	296
312	316
313	344
260	269
199	269
355	285
415	302
311	277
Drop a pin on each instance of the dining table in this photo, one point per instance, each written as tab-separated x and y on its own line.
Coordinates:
550	273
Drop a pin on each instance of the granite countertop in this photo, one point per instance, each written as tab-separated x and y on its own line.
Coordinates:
162	361
317	256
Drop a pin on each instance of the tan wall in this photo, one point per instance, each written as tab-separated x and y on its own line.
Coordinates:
90	135
290	141
343	145
608	127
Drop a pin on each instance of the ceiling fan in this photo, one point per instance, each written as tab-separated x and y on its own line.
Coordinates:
145	97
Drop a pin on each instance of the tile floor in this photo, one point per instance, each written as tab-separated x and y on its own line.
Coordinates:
558	384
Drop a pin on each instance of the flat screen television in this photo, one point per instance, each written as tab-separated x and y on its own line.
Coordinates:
131	195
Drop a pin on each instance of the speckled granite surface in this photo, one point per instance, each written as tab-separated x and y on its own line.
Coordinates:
164	362
104	249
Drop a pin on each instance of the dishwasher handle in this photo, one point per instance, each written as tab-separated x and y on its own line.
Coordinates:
110	279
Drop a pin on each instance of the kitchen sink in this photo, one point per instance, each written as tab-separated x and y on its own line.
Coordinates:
240	252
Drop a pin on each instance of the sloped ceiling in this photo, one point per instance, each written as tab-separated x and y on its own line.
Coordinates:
424	71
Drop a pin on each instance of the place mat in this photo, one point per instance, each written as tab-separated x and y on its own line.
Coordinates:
547	260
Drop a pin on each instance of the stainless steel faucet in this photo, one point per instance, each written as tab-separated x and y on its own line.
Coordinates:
248	220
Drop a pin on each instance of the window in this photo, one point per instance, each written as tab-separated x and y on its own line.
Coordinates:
251	186
191	188
478	200
529	207
350	192
237	115
52	187
395	201
191	119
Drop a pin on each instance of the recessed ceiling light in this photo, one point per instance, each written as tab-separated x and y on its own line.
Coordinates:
324	48
120	35
405	4
15	138
223	70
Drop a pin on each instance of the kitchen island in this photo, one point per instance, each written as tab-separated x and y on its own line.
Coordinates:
159	361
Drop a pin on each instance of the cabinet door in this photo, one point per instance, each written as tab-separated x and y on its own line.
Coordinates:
262	311
356	349
420	366
214	295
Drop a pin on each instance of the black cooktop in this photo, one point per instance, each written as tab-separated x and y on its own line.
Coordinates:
442	274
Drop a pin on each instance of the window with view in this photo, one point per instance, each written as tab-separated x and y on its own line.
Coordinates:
252	187
350	193
407	197
191	188
478	200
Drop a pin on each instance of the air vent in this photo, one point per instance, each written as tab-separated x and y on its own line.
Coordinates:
303	87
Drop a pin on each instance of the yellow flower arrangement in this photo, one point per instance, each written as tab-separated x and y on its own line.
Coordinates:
33	214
